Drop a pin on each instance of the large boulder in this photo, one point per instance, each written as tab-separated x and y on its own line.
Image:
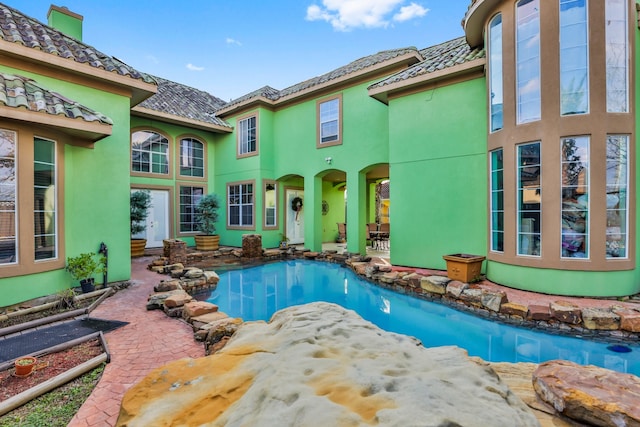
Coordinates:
589	394
322	365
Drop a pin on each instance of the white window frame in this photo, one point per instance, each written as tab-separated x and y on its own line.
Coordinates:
242	199
329	121
247	136
138	151
188	157
189	208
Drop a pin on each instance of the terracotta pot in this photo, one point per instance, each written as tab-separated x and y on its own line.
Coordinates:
24	365
137	247
463	267
207	243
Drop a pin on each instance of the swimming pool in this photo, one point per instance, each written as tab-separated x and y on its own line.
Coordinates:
256	293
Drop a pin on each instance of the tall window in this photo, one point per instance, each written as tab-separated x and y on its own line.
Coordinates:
240	205
497	201
149	153
189	198
575	197
529	199
270	205
329	122
574	57
247	136
495	73
8	194
44	198
617	238
528	60
191	157
617	56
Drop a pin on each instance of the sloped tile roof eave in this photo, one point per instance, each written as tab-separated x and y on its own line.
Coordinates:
179	120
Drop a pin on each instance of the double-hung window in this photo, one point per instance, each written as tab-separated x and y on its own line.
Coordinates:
329	121
248	136
191	158
240	205
270	202
189	198
149	153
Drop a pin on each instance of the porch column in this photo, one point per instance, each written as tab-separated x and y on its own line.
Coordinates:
356	212
312	213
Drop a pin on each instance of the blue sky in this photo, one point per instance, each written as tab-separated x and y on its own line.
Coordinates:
232	47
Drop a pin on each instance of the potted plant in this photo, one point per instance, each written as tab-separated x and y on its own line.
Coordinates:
140	202
284	241
83	267
206	217
24	365
463	267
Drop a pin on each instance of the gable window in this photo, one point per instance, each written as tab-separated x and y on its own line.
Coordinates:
574	57
240	205
495	73
191	158
617	56
575	197
528	61
497	201
529	199
189	198
270	205
248	136
29	207
329	121
149	153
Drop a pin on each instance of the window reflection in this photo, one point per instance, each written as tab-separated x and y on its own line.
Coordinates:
529	199
617	204
575	197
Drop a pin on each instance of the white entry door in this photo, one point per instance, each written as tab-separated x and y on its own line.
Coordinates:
294	227
158	219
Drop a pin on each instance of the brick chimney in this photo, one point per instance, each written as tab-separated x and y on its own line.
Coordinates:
65	21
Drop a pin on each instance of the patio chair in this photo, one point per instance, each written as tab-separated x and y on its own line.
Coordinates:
383	234
342	231
372	230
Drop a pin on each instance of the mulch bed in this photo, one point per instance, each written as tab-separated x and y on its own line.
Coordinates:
56	364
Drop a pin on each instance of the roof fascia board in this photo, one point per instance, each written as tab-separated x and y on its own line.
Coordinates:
139	89
92	131
172	118
474	19
383	93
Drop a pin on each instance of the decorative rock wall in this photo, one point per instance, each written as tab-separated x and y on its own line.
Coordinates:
252	245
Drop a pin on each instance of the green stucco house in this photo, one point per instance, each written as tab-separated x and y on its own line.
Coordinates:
515	142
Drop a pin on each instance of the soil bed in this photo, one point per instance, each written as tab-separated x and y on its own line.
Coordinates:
56	364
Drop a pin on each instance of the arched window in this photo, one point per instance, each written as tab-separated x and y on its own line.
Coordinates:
495	73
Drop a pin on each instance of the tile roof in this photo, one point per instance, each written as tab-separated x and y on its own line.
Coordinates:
184	101
18	28
439	57
352	67
22	92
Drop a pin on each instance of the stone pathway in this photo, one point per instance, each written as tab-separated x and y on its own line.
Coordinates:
150	340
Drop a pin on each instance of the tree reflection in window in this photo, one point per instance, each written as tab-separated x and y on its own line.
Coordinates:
575	197
617	203
529	199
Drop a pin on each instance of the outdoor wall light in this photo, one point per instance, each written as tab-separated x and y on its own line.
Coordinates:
328	160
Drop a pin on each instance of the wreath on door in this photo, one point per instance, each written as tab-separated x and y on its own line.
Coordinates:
296	205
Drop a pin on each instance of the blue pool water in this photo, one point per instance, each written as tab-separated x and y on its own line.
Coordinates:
258	292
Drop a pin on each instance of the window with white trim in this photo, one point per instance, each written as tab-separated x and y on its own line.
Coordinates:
270	204
8	197
495	73
44	197
247	136
617	51
189	198
574	164
149	152
528	92
497	201
574	57
191	158
529	214
329	118
617	238
240	205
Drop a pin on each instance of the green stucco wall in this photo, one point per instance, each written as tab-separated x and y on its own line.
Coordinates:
438	179
96	183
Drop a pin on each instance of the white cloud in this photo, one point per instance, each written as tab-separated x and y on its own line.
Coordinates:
345	15
406	13
229	40
192	67
152	59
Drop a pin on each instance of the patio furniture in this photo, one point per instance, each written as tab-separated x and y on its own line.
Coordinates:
383	236
342	232
372	228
